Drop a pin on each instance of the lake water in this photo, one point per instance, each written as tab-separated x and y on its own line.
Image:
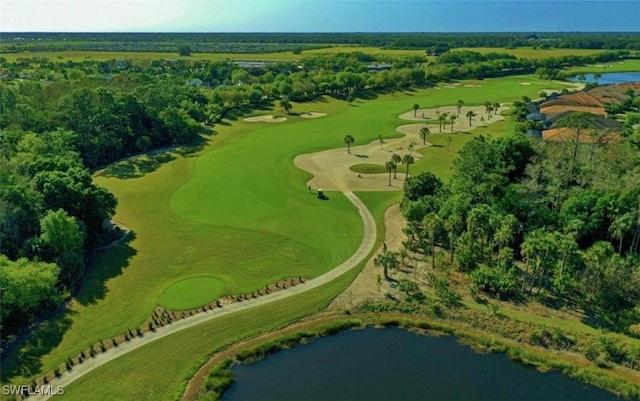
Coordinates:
393	364
612	77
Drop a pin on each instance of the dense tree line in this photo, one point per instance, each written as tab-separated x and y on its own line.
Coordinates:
525	218
265	42
51	214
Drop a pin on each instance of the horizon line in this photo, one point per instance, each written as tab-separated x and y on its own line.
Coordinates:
318	32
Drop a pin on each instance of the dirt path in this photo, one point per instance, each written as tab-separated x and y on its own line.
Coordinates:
368	241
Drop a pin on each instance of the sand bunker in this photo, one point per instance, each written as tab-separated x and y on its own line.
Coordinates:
524	83
312	114
330	168
268	118
472	86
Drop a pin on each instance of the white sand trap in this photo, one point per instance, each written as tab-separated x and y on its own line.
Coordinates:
330	168
472	86
268	118
312	114
524	83
448	86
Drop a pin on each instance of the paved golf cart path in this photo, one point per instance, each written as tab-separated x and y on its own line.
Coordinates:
368	241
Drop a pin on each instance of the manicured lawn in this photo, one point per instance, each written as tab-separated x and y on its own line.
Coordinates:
531	53
191	292
438	159
630	65
238	211
160	370
368	168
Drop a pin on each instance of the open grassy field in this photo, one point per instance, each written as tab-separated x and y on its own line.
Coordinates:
522	52
239	212
531	53
630	65
277	56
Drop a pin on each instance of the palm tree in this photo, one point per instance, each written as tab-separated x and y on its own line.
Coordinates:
470	114
487	107
459	105
411	146
496	106
431	224
407	159
390	166
388	260
452	120
285	105
619	227
443	119
381	140
349	140
424	131
416	106
396	159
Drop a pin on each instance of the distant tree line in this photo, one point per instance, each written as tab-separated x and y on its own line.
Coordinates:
274	42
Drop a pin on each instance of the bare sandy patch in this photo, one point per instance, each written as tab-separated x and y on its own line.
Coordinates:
365	287
267	118
473	86
312	114
524	83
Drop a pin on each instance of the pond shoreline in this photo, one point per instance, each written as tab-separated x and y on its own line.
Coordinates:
571	364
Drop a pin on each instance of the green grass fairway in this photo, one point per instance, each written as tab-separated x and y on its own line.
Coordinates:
238	210
191	292
531	53
160	370
368	168
438	159
630	65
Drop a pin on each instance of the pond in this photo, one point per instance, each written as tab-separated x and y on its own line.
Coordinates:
393	364
611	77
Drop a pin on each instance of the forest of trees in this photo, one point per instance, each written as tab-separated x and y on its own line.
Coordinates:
545	219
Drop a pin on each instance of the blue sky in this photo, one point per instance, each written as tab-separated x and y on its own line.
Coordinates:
318	15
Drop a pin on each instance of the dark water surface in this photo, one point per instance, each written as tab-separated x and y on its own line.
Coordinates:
393	364
612	77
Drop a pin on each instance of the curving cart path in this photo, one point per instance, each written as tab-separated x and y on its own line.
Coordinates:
368	241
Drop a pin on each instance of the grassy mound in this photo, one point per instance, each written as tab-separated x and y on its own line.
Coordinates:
368	168
191	292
